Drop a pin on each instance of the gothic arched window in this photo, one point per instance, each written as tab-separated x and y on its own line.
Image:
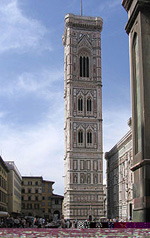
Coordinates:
80	137
89	137
84	66
80	104
89	105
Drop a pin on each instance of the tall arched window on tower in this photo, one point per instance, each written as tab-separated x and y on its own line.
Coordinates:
89	137
89	105
80	104
84	66
80	137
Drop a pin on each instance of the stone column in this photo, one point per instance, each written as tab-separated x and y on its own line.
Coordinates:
138	28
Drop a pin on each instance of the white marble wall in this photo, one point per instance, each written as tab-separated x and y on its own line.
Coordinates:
120	179
83	162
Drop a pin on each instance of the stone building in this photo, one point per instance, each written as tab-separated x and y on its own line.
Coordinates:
138	29
14	189
57	203
46	204
38	198
3	186
120	179
83	162
32	195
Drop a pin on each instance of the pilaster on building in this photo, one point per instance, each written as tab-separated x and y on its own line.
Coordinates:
83	162
138	29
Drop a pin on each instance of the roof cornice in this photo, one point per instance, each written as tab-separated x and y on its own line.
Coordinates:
4	165
127	4
116	148
82	23
140	4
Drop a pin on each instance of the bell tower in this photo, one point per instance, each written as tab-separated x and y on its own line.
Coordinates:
83	196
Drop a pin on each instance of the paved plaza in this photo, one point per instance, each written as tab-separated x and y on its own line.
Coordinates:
32	233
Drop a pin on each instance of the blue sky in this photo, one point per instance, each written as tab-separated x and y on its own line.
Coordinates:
32	81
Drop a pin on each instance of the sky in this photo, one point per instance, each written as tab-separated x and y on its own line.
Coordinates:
32	81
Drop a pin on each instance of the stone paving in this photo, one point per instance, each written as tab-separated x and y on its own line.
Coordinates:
77	233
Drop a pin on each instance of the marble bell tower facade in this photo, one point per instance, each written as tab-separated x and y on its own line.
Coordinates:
83	160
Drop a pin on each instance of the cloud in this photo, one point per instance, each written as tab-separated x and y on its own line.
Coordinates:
40	83
19	32
115	126
37	150
114	3
109	5
3	114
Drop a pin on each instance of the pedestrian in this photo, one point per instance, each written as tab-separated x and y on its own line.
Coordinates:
63	223
86	224
67	223
16	222
70	224
76	223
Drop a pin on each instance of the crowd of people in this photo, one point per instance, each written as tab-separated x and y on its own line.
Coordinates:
35	222
22	222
